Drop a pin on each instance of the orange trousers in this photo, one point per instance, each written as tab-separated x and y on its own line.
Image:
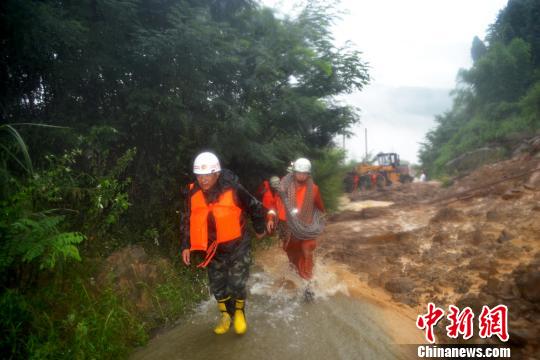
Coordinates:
300	253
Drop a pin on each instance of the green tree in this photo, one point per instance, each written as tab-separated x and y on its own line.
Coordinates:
478	49
494	101
519	19
503	74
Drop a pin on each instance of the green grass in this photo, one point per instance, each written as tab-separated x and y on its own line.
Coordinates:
182	289
82	323
71	318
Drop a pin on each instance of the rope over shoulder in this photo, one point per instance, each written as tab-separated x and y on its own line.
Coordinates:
308	222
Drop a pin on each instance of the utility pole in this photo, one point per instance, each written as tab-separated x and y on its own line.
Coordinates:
366	145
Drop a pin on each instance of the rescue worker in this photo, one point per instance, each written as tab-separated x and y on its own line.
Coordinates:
356	181
269	198
261	189
216	211
290	167
307	196
373	176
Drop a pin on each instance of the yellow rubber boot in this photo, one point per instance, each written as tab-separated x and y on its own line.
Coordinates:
225	321
239	323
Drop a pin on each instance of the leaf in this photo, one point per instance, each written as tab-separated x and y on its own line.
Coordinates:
22	147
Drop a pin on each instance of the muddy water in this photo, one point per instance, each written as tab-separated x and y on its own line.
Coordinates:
347	320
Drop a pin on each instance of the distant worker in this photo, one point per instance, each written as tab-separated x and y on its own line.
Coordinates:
356	181
423	177
299	208
290	168
216	208
264	186
373	177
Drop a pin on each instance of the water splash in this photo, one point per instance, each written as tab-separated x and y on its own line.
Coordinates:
276	278
281	324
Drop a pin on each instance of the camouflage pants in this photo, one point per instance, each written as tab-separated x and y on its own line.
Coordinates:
228	274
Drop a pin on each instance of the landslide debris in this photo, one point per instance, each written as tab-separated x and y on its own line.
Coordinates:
474	243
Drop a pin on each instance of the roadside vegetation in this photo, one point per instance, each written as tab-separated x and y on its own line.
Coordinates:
497	101
103	106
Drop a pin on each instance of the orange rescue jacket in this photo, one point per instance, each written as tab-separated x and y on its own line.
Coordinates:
227	217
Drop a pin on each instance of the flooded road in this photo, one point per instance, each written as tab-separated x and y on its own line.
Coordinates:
347	320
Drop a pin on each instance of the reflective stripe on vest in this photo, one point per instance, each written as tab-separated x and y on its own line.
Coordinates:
227	217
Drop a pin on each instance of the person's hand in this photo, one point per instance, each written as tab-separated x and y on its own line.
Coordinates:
186	257
261	235
270	225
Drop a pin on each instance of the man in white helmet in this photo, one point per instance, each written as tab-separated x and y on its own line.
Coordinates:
214	222
303	195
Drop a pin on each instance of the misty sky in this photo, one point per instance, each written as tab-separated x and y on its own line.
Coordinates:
415	49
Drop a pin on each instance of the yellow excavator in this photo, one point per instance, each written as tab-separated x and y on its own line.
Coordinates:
386	171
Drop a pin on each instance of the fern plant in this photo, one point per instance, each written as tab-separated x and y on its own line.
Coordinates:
38	239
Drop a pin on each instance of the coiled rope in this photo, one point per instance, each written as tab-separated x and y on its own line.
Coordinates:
306	223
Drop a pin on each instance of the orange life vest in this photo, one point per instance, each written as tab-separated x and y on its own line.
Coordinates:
227	217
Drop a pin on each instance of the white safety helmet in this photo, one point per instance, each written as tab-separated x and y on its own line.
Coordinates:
206	163
274	182
302	165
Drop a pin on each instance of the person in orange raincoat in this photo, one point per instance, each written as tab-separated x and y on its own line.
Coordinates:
356	182
269	198
300	252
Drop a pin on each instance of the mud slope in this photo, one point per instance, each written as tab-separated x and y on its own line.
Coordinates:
472	244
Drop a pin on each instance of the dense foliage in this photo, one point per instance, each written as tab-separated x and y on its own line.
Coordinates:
170	78
104	104
497	101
